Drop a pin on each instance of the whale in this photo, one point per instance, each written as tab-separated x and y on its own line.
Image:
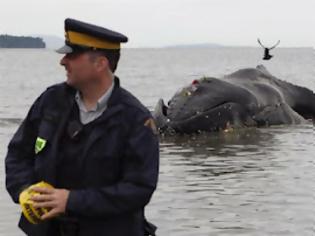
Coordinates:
249	97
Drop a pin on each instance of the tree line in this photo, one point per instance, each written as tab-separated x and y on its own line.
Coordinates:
9	41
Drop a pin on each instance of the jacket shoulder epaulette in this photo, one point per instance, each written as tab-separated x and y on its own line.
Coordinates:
134	110
131	101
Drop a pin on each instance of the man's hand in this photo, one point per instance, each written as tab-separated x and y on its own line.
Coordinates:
53	199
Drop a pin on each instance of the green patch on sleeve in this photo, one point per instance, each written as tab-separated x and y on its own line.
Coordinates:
39	144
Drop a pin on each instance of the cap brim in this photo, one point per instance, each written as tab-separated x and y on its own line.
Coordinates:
65	49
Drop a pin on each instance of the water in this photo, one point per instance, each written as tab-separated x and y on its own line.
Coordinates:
248	182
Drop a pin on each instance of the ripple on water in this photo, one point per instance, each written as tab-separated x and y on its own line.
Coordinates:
236	184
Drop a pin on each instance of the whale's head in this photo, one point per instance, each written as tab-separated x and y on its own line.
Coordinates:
207	104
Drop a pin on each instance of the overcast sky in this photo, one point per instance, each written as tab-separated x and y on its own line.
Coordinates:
154	23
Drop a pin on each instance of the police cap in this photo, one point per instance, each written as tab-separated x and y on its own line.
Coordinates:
84	36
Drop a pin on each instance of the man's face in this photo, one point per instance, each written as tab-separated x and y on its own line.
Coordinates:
80	68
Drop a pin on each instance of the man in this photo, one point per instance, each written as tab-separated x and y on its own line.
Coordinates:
90	139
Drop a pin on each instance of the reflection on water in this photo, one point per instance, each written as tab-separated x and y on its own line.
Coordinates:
218	154
247	182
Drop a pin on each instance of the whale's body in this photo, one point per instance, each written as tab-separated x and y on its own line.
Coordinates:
247	97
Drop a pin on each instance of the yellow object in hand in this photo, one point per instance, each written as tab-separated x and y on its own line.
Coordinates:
31	213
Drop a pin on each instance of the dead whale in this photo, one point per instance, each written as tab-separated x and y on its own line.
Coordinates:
248	97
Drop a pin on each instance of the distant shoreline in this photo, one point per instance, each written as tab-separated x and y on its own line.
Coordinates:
20	42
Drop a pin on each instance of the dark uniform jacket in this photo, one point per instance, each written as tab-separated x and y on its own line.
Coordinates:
116	166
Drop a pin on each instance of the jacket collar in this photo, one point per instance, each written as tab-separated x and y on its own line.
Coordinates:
116	93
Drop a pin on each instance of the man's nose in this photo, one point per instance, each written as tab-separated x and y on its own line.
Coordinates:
63	60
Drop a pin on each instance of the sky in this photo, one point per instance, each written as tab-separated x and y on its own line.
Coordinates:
159	23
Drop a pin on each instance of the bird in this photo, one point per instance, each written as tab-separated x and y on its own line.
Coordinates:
267	56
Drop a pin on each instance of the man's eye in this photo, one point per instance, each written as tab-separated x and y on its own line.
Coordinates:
73	55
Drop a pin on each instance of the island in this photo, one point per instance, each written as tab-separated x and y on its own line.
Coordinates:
10	41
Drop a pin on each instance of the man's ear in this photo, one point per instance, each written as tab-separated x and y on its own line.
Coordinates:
102	63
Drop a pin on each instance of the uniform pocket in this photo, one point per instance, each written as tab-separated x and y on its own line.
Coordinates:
103	161
45	133
42	147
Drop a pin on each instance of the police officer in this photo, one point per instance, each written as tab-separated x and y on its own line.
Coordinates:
90	139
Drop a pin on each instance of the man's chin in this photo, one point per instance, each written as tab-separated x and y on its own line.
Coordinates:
74	84
71	83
